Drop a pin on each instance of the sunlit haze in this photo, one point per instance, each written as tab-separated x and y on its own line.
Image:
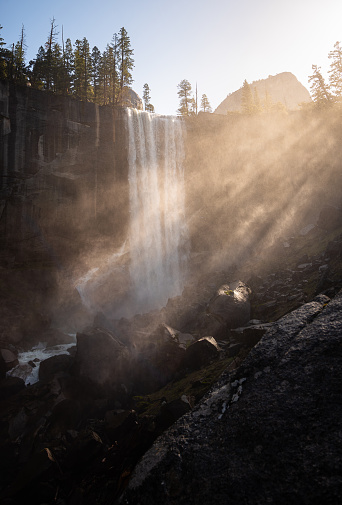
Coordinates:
215	44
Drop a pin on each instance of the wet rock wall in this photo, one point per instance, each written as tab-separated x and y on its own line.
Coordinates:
63	174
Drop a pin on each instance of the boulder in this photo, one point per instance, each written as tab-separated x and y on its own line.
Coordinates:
10	358
159	358
201	353
54	365
230	305
182	339
102	358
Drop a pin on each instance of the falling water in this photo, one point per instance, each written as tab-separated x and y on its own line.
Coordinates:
157	244
158	234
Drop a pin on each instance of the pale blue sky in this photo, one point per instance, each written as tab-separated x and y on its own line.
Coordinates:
215	43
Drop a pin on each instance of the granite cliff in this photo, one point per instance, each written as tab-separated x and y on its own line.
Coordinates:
62	161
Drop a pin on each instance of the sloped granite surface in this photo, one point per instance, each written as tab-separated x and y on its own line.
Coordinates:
270	432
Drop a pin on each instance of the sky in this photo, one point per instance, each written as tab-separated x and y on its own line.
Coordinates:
215	44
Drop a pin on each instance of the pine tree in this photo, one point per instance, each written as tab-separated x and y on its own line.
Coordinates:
146	95
69	65
247	102
48	53
96	72
57	69
126	62
114	73
19	59
205	105
147	98
4	55
186	101
83	70
38	72
319	89
335	77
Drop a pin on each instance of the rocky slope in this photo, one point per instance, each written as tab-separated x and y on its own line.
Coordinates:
78	433
283	88
268	432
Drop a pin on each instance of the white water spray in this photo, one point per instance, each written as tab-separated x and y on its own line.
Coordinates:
158	234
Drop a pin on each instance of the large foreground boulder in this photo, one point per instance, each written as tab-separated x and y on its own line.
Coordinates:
269	432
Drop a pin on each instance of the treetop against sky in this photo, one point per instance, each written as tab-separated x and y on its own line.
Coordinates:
216	45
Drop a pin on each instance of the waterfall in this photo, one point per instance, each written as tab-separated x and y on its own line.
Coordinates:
158	234
150	267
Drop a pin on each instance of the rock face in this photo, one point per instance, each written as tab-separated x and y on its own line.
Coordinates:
270	431
284	88
63	172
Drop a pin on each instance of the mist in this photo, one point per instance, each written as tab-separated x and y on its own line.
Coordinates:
252	181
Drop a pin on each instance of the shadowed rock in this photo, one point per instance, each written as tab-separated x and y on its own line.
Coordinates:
101	358
230	305
269	431
200	353
54	365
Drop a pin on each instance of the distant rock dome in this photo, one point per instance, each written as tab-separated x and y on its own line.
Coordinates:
132	99
284	88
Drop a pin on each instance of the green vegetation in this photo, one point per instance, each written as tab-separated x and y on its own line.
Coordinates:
193	385
328	94
188	104
147	98
73	69
205	105
229	292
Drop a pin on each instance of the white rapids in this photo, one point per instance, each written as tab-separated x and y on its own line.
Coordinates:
29	361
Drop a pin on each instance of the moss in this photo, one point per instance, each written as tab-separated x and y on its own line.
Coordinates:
229	292
194	385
